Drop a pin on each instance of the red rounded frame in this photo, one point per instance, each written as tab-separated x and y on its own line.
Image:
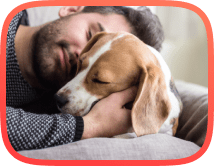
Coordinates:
99	3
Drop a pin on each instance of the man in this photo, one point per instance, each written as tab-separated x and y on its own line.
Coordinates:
36	69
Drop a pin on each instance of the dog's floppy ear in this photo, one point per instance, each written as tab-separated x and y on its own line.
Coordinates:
92	41
151	106
88	46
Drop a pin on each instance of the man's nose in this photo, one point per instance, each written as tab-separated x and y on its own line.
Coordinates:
80	48
77	53
60	100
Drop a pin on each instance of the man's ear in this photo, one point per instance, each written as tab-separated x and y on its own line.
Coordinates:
67	10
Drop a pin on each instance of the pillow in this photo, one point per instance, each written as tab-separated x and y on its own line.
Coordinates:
148	147
193	119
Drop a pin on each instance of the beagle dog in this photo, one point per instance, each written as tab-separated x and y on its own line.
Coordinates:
113	62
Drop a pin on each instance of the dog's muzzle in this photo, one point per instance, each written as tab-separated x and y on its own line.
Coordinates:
60	101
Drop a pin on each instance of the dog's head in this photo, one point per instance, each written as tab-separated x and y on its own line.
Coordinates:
113	62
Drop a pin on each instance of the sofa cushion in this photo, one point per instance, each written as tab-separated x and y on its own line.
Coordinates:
149	147
193	119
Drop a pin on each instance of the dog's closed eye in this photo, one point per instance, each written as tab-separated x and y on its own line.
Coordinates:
95	80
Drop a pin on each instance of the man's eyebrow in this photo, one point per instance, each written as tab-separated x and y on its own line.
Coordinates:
101	27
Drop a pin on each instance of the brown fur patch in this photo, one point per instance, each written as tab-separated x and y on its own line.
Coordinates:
174	121
78	87
65	93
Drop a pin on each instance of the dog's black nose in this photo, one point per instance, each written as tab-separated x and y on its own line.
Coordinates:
61	101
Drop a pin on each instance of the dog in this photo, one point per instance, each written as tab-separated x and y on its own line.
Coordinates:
113	62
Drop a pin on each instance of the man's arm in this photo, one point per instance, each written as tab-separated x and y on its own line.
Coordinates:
107	118
32	131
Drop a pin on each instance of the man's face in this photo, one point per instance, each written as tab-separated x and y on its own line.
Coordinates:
58	44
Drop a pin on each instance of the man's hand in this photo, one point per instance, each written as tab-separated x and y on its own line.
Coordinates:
109	117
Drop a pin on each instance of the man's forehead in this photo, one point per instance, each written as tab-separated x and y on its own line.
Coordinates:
111	22
117	23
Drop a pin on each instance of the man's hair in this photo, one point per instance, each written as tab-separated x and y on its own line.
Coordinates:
145	25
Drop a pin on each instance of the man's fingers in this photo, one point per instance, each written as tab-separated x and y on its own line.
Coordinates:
126	96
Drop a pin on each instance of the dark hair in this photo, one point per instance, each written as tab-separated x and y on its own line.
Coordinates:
145	25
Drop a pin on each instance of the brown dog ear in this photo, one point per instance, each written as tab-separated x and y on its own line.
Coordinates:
92	41
151	106
88	46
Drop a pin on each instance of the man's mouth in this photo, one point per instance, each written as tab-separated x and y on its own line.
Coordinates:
64	58
68	60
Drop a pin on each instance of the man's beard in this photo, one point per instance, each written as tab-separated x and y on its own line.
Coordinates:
46	62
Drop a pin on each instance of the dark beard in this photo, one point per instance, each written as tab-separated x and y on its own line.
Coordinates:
50	75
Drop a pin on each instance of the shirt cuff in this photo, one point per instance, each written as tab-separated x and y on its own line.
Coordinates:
79	128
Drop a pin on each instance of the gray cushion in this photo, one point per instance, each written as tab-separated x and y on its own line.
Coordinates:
193	119
149	147
191	133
